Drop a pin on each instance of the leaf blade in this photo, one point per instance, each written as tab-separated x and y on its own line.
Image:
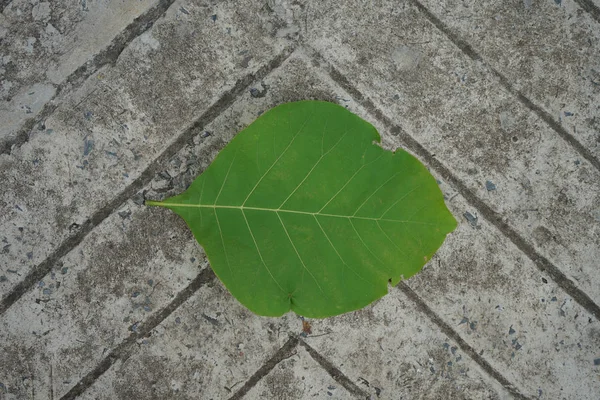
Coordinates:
302	211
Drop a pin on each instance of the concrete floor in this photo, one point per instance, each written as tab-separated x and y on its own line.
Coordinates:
107	103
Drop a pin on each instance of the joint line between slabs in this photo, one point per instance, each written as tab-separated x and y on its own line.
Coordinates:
334	372
108	55
469	51
455	336
590	7
285	352
126	348
208	116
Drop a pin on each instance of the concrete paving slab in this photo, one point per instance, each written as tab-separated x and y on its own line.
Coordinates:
125	272
116	279
45	43
137	312
547	50
98	145
206	349
509	158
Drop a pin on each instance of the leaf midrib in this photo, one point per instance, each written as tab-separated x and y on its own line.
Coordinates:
283	210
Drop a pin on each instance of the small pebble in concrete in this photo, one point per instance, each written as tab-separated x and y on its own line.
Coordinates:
3	278
30	255
183	10
597	361
64	270
511	331
214	17
88	145
124	214
471	219
489	185
138	198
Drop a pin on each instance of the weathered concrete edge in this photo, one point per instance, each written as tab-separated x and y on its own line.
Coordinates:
468	50
446	329
3	4
226	100
541	262
109	55
590	8
126	348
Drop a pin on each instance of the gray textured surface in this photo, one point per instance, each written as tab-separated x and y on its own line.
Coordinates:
103	298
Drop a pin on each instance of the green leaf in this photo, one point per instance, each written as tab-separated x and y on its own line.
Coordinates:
304	211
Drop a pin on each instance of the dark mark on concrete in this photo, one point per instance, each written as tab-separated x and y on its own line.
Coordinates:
107	56
211	320
545	116
334	372
138	184
471	219
489	185
139	331
285	352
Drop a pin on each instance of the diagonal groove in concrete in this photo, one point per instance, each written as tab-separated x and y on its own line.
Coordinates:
286	351
228	97
455	336
109	55
124	350
3	4
590	7
334	372
536	109
541	262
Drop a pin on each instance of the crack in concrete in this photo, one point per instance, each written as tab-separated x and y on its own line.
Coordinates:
127	347
536	109
226	100
107	56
